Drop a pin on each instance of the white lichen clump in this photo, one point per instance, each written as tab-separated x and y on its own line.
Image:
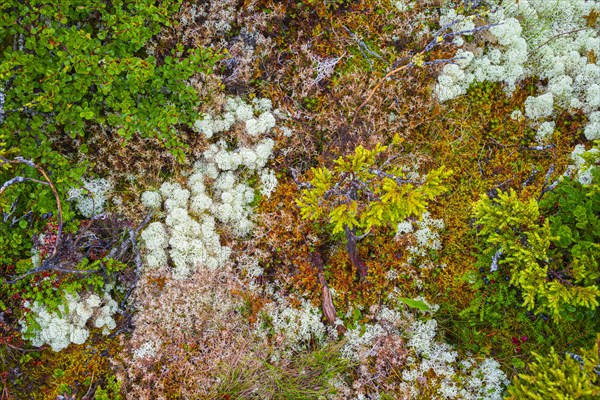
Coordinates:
152	200
216	193
69	324
592	129
360	341
583	170
148	349
426	235
188	236
423	357
91	198
545	131
533	38
477	381
293	329
540	106
258	120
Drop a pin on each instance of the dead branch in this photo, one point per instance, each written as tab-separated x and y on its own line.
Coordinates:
381	82
133	233
50	265
546	188
326	300
19	179
301	185
351	248
73	247
21	160
531	177
418	60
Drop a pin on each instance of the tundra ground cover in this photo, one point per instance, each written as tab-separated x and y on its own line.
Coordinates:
156	239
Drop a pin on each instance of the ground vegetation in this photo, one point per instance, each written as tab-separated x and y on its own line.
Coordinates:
370	199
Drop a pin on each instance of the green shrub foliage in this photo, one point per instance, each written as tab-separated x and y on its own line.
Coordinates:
68	67
64	64
365	190
550	249
574	376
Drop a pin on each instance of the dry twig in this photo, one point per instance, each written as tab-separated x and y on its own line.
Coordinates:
19	179
419	58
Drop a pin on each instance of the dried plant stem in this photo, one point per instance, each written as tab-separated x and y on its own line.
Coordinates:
326	300
439	38
381	82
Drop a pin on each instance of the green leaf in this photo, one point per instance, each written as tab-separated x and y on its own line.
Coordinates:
566	236
517	363
418	304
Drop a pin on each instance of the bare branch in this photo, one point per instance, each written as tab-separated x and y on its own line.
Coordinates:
351	240
18	179
334	189
54	263
495	259
326	300
364	48
531	177
381	82
2	99
133	233
398	180
439	38
49	265
538	148
546	187
13	208
21	160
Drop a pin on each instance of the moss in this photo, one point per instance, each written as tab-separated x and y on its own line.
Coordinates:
77	370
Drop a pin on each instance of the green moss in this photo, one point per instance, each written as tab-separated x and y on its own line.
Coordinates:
554	376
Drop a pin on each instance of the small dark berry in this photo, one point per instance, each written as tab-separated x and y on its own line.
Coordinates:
481	269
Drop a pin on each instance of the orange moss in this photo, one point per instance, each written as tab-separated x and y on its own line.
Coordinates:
75	370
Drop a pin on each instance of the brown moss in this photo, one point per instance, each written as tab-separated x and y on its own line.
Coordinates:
77	370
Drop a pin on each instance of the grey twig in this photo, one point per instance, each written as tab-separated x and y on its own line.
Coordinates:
363	47
439	37
18	179
418	60
133	234
546	187
495	259
21	160
50	265
301	185
2	100
398	180
531	177
538	148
